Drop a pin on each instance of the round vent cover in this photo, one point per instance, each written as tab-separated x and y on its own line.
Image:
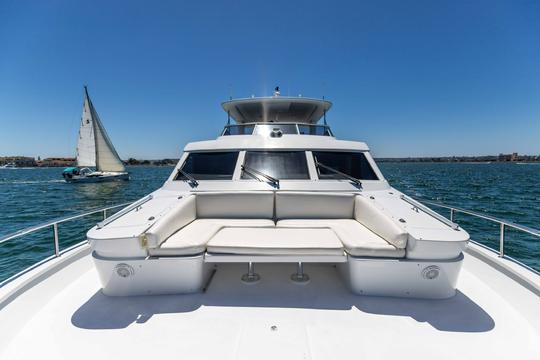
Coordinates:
431	272
124	270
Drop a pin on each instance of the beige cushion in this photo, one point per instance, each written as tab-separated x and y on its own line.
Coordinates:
372	216
176	218
275	241
356	238
247	205
298	205
192	238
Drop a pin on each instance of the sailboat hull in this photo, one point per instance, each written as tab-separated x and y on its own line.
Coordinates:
98	176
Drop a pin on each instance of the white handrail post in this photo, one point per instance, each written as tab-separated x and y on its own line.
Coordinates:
501	241
56	241
452	214
104	214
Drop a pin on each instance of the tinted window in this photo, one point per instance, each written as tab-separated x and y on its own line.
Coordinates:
238	130
267	130
278	164
314	130
209	166
350	163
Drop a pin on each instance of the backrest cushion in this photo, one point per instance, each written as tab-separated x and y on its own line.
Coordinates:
237	205
371	215
310	205
171	222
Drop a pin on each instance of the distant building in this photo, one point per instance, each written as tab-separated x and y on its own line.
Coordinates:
514	157
19	161
57	162
504	157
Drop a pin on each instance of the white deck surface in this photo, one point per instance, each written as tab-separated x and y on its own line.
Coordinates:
319	320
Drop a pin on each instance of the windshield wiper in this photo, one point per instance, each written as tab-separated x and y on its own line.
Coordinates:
256	173
190	179
347	176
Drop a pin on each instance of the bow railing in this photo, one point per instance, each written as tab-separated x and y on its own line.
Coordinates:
503	225
55	238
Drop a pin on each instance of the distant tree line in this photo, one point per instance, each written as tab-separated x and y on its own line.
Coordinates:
162	162
485	158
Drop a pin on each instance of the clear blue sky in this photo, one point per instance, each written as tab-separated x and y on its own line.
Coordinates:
411	78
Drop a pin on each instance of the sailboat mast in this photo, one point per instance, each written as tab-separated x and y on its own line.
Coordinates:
94	125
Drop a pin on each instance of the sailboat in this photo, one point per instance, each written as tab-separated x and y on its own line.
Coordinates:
94	150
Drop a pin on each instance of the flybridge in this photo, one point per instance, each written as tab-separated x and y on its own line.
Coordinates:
277	109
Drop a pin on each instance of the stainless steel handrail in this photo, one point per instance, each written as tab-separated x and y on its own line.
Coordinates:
55	222
54	225
123	212
502	223
430	212
57	252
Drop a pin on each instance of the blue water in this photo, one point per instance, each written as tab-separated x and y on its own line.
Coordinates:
509	191
32	196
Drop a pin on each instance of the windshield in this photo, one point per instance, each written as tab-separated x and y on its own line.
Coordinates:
353	164
209	166
275	129
291	165
238	130
319	130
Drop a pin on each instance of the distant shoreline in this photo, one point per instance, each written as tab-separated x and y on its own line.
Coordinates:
455	162
501	158
29	162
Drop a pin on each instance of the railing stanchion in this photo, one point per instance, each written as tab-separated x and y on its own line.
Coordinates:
501	241
56	241
104	214
452	214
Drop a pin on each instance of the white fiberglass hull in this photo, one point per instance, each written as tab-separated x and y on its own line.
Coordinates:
98	176
58	309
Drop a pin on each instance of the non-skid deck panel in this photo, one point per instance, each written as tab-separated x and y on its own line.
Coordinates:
274	319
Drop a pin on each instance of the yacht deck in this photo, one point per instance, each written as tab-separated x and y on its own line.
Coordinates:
68	317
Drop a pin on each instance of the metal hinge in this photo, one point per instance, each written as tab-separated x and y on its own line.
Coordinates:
144	241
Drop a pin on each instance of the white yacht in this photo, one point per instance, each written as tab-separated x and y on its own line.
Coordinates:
274	241
97	159
9	165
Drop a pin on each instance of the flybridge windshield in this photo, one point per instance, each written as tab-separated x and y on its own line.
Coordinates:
209	166
238	130
275	129
351	163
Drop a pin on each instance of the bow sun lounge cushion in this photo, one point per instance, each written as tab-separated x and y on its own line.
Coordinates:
294	223
275	241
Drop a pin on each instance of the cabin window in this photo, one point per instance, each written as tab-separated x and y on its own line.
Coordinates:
319	130
238	130
354	164
209	165
287	165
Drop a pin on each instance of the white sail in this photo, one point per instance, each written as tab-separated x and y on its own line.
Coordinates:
107	158
94	148
86	145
